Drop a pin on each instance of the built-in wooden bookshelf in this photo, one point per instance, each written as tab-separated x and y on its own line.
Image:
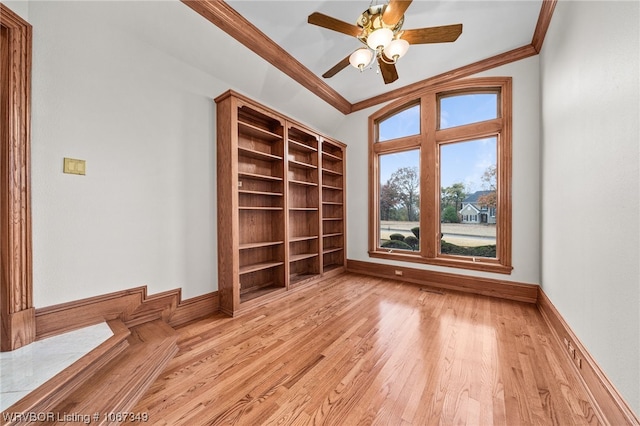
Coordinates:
333	205
281	204
304	206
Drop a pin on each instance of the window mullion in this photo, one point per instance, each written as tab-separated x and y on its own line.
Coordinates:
474	130
429	192
398	145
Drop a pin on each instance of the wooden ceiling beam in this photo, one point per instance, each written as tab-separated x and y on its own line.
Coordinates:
544	19
228	20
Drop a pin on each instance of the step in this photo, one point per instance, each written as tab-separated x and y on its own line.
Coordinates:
118	386
53	391
115	384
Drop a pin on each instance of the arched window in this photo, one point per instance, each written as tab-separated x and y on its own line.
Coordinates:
441	177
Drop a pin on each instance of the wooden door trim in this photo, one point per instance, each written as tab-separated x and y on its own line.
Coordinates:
16	283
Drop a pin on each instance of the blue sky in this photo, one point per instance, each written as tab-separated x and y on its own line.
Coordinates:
460	162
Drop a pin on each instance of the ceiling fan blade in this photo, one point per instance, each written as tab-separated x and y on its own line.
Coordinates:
443	34
389	71
394	11
334	24
337	68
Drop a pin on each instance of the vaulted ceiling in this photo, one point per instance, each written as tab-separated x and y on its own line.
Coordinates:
494	32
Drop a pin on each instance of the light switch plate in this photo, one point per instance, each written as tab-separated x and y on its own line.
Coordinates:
75	166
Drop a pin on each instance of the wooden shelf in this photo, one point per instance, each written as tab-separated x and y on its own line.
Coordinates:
257	132
248	246
331	266
335	234
298	239
331	249
260	177
259	208
258	154
304	209
300	164
301	182
273	194
334	188
331	156
258	267
299	278
303	238
332	218
301	146
302	256
331	203
331	172
256	292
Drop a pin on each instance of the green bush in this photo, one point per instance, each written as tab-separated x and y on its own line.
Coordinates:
395	244
412	241
396	237
416	231
480	251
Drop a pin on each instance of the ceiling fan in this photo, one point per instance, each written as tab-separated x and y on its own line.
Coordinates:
380	29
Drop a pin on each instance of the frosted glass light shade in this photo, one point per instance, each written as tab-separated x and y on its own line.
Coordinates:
361	58
396	49
380	38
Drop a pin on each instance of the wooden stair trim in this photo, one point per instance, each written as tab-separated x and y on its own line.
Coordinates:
110	379
133	307
54	390
119	385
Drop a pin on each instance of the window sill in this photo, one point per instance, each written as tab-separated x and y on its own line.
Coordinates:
485	265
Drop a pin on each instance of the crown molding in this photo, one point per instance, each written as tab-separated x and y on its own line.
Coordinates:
237	26
465	71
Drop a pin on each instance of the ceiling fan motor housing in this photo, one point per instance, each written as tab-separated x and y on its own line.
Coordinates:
371	20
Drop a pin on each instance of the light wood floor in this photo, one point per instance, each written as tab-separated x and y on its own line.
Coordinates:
358	350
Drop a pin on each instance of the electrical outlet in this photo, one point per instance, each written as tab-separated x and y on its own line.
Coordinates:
398	273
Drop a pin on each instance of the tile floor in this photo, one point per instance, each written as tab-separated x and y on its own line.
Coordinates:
24	369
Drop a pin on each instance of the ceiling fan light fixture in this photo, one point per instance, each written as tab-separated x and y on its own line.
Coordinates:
379	29
379	38
396	49
361	58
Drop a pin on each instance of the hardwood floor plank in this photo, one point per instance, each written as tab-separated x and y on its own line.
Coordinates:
361	350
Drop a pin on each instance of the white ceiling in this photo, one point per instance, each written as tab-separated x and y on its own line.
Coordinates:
489	28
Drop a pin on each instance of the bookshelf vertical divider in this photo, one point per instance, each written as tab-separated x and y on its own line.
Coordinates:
281	204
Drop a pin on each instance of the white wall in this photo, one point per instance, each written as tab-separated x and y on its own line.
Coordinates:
129	87
591	158
20	7
525	183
